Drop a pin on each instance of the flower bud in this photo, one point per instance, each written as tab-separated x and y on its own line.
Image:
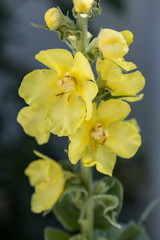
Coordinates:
53	18
82	6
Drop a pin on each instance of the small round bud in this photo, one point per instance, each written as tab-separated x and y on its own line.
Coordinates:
83	6
53	18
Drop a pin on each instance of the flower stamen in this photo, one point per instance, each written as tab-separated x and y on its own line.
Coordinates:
67	83
99	134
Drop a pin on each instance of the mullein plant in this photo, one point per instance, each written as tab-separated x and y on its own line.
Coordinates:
66	99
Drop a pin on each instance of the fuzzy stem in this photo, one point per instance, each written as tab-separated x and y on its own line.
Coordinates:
82	24
86	172
87	223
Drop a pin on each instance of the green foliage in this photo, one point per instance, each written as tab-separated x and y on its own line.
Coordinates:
130	231
78	237
110	204
106	201
147	211
55	234
67	210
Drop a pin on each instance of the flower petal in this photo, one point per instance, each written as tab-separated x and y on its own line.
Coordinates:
36	172
78	142
38	86
126	84
107	69
87	90
82	69
128	36
126	66
102	157
34	123
133	99
66	113
60	60
111	111
46	195
112	44
123	139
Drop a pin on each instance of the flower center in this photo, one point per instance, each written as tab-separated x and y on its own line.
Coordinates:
99	134
67	83
47	178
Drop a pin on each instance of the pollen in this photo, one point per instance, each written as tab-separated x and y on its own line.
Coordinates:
47	178
99	134
67	83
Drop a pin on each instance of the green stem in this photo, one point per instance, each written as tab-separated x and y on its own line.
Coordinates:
82	24
87	223
86	175
86	172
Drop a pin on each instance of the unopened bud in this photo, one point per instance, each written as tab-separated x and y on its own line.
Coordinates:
83	6
53	18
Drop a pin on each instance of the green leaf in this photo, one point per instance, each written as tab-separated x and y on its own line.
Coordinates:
108	203
131	231
147	211
39	26
111	187
55	234
78	237
67	210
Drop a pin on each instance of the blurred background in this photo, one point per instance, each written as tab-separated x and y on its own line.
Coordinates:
19	42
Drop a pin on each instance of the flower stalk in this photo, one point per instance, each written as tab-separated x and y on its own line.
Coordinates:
67	100
87	224
82	24
86	172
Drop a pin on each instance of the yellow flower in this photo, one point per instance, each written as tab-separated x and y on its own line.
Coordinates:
48	178
98	141
83	6
114	45
60	98
53	18
118	83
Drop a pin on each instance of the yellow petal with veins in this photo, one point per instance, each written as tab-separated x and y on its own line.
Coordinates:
79	141
128	36
102	157
59	60
112	44
126	84
48	178
111	111
38	86
34	123
66	113
123	139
